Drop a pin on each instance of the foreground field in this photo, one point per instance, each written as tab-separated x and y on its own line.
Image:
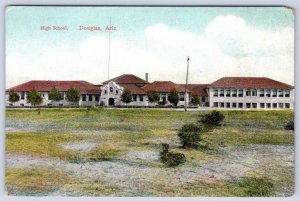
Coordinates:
115	152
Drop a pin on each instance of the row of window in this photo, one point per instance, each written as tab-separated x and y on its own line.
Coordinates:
111	90
89	97
251	92
251	105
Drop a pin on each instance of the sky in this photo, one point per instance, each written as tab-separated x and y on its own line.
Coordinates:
220	41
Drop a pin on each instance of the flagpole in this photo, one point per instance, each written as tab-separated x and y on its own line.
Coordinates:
108	62
186	85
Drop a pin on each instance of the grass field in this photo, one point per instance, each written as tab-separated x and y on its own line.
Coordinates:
115	152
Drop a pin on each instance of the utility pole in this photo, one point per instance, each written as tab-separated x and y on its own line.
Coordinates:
186	85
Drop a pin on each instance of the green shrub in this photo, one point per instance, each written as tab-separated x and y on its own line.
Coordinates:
190	135
171	159
213	118
257	187
289	125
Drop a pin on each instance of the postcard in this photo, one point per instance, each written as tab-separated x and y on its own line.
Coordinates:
149	101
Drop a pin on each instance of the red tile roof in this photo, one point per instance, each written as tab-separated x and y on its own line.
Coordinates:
43	86
249	82
127	79
133	88
197	89
164	86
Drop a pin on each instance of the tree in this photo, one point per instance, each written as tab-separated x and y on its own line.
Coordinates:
195	100
35	99
54	94
153	96
173	97
126	96
13	97
73	95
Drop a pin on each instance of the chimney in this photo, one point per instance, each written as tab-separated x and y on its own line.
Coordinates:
146	77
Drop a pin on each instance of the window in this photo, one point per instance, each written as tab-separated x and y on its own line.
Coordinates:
286	93
141	98
240	105
241	92
254	92
43	95
181	97
280	105
105	91
117	92
111	89
268	92
287	105
134	97
90	97
262	105
83	97
215	92
227	92
280	92
268	105
10	104
22	105
60	105
215	104
233	105
164	96
22	95
61	96
203	99
254	105
97	98
248	92
222	104
227	105
261	93
274	105
49	104
248	105
234	91
274	92
221	93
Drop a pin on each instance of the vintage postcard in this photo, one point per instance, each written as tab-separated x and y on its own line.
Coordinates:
149	101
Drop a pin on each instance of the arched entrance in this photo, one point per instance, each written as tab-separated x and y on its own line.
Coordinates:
111	101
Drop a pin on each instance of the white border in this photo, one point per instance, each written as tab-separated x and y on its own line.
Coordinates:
3	3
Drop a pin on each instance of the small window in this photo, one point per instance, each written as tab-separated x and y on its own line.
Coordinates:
254	105
49	104
280	105
233	105
10	104
227	105
83	97
43	95
240	105
234	92
111	89
203	99
280	92
90	97
181	97
241	92
221	93
286	93
262	105
215	92
97	98
141	98
268	105
268	92
22	95
248	105
227	92
117	92
60	105
274	105
287	105
134	97
274	92
221	104
61	95
254	92
22	105
215	104
261	93
105	91
248	92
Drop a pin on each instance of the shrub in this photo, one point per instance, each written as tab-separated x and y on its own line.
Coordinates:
213	118
289	125
190	135
171	159
257	187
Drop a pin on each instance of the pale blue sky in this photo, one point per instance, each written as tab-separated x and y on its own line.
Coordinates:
35	54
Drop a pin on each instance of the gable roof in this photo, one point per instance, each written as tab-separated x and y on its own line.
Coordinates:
249	82
164	86
127	79
47	85
197	89
133	88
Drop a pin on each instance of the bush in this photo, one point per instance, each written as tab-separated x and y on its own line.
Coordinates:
257	187
171	159
190	135
289	125
213	118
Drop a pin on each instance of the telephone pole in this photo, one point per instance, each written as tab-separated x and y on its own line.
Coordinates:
186	85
